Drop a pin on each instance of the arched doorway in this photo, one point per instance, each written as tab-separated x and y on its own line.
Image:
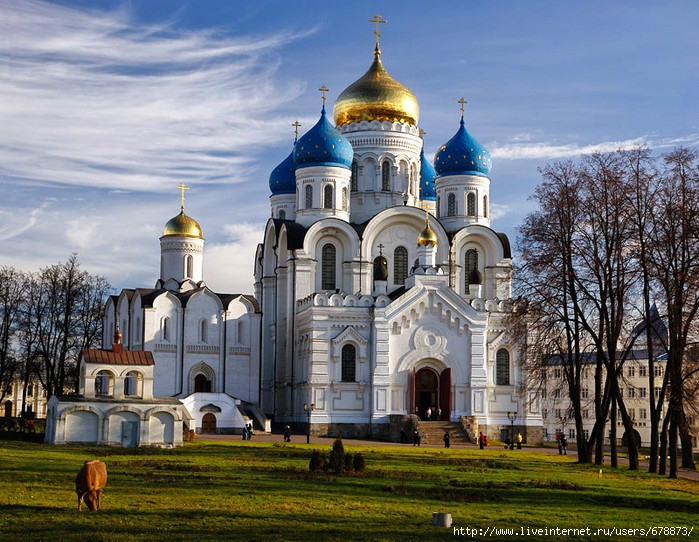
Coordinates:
208	423
431	389
8	409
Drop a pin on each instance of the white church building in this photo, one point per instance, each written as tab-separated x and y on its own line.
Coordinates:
381	290
384	291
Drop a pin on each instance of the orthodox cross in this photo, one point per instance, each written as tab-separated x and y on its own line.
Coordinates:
182	187
380	249
323	90
378	20
422	132
463	103
296	126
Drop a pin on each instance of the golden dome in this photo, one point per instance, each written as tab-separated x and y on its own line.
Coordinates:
376	96
182	226
427	236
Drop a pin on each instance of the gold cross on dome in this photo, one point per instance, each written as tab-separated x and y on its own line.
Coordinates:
422	132
296	126
378	20
323	90
182	187
463	103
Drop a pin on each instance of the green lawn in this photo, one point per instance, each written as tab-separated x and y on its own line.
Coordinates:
263	491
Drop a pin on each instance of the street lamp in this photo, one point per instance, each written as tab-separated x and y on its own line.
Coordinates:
309	410
512	416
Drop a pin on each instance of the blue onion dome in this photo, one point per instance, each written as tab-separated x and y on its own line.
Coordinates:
428	189
463	155
283	179
323	145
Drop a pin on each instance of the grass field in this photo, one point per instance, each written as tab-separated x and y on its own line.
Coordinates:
264	491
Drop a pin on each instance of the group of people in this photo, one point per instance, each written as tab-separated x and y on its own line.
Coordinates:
433	414
247	431
562	442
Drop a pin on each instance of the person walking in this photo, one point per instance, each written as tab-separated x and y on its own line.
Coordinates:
481	440
519	441
287	433
447	439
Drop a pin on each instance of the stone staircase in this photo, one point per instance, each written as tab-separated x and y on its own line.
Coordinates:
433	433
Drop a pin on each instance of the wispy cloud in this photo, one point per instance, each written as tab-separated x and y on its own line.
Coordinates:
96	98
525	148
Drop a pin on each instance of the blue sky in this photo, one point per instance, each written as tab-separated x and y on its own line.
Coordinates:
105	107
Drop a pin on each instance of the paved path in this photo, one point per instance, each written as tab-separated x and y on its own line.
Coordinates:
426	443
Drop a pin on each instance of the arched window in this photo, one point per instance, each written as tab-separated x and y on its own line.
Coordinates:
451	205
485	206
202	384
344	199
240	332
438	207
349	363
203	331
309	196
471	204
385	176
282	214
470	261
502	368
328	196
132	383
165	328
188	266
400	265
353	178
104	383
327	277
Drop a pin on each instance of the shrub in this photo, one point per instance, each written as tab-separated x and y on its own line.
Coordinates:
358	462
317	461
336	461
348	462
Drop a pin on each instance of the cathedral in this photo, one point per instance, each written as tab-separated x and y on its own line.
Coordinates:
381	291
384	291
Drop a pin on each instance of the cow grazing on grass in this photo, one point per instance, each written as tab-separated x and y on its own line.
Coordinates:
89	484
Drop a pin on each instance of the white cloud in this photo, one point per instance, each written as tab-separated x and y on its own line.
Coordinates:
98	99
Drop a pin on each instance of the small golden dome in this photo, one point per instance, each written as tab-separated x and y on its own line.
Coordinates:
376	96
183	226
427	236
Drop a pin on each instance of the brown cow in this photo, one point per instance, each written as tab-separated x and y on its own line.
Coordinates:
89	484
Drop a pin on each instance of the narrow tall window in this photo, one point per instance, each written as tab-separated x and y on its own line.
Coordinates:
471	204
188	266
502	368
451	205
328	256
385	176
353	179
282	214
166	328
400	265
344	199
470	261
485	206
328	197
203	332
309	196
438	207
349	363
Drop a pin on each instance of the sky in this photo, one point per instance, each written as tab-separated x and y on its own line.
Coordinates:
106	106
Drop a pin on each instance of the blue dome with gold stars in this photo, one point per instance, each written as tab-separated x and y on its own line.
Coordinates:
323	145
463	155
428	189
283	179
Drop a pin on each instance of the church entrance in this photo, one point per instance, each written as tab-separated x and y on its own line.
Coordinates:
432	392
208	423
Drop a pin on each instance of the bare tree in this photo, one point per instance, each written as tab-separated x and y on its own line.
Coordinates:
12	289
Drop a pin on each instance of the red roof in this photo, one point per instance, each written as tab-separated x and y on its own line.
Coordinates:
125	357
